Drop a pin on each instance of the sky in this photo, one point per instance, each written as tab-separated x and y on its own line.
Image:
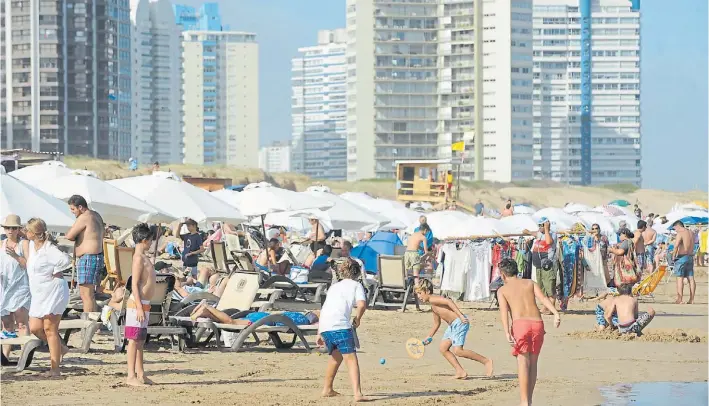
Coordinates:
674	75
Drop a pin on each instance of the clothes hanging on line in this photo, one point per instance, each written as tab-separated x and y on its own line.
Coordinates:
466	269
501	250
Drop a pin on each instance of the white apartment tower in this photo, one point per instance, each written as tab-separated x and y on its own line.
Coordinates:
220	98
411	82
157	83
587	91
319	110
275	158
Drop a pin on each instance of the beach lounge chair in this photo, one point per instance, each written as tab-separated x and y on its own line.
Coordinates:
220	259
274	325
28	346
242	294
113	277
85	326
296	296
393	281
159	309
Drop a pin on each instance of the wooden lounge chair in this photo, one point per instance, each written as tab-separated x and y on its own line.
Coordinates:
219	258
113	278
393	281
242	294
158	322
28	344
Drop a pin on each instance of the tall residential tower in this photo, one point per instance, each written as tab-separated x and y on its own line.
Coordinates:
319	111
587	91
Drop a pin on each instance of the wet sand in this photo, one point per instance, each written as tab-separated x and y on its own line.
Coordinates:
575	362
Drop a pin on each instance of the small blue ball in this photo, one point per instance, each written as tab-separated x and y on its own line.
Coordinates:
382	361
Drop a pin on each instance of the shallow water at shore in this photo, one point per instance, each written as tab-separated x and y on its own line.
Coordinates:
656	393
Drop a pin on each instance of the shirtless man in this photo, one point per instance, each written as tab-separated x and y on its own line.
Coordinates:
507	210
517	299
138	305
649	236
684	261
87	234
639	243
412	257
317	235
626	307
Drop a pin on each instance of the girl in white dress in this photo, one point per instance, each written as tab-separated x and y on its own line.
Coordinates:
15	292
50	291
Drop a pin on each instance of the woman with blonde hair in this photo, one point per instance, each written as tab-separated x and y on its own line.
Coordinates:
45	264
15	295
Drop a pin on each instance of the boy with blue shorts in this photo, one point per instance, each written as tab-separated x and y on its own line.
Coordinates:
336	330
454	337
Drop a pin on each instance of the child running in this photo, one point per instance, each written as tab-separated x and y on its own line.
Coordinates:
138	305
454	337
526	336
335	330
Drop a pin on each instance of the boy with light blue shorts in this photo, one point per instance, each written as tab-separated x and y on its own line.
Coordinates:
454	337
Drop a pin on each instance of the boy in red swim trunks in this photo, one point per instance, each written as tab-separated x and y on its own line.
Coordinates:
517	297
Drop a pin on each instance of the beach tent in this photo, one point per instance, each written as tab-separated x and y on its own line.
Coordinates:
17	197
620	203
381	243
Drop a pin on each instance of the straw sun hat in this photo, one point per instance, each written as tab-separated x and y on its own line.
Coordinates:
12	220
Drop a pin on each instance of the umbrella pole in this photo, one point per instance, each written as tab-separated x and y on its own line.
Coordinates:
263	227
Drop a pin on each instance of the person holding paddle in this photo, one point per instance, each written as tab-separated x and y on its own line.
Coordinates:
454	337
526	335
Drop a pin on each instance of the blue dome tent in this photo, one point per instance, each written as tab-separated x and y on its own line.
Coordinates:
381	243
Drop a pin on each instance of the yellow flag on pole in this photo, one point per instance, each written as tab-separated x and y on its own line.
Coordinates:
458	146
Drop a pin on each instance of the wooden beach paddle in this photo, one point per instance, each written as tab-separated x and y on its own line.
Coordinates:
415	348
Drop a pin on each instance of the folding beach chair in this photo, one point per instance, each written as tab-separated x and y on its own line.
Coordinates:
113	278
219	258
646	287
28	345
159	312
393	281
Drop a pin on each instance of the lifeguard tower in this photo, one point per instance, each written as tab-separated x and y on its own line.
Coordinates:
422	180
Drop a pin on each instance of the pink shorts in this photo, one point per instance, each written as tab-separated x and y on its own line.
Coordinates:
135	330
528	335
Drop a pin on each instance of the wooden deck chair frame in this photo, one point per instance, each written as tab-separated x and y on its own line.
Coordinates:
112	279
219	257
158	323
392	279
124	264
29	345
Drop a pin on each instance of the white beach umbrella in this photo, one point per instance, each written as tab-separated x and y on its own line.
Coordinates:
344	215
630	221
519	222
609	210
42	174
179	199
115	206
17	197
443	223
604	222
523	209
356	197
558	218
680	214
572	208
259	199
483	226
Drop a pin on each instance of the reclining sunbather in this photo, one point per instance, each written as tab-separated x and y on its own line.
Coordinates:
185	286
205	310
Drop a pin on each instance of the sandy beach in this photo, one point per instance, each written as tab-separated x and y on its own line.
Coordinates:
574	363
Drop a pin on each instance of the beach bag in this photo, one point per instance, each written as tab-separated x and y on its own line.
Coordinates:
299	274
626	269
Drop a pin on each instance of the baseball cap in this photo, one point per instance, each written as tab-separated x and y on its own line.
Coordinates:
542	221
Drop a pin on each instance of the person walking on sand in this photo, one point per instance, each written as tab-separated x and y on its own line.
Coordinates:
45	264
412	256
87	234
684	261
138	305
335	329
454	337
526	335
15	286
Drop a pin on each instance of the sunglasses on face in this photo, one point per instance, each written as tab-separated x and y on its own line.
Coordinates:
12	228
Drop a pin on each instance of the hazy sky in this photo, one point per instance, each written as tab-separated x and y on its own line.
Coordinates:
673	76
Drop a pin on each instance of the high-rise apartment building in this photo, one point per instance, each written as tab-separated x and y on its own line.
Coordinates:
319	110
66	74
157	82
411	82
587	91
220	98
275	158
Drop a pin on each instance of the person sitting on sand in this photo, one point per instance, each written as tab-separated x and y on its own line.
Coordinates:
454	337
626	307
601	323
